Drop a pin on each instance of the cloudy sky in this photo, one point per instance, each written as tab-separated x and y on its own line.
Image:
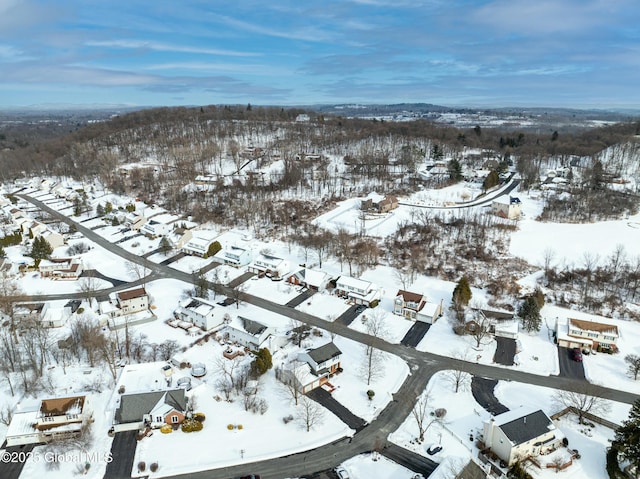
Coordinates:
578	53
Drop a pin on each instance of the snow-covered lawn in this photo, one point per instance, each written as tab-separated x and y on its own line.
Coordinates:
279	292
189	264
324	305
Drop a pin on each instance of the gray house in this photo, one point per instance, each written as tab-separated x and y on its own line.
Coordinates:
150	409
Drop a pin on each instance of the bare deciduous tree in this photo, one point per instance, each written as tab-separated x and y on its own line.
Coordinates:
373	366
309	413
582	401
420	413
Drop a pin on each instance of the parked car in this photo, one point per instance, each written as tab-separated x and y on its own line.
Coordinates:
342	473
435	449
576	354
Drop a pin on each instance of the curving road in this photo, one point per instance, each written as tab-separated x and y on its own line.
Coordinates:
422	365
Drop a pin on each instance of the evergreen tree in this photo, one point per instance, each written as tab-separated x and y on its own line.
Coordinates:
214	248
492	179
262	363
40	250
529	312
2	252
100	210
165	246
461	297
627	439
455	169
108	207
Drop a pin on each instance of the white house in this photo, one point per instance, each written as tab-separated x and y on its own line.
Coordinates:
269	265
521	433
357	290
416	307
311	279
311	369
60	268
56	418
134	221
506	207
201	312
53	239
323	360
198	246
253	334
154	228
133	300
235	256
180	237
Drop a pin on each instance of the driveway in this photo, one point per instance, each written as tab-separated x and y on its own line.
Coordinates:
505	351
349	315
415	334
10	469
325	399
93	273
410	460
568	367
173	258
482	391
123	449
240	279
301	298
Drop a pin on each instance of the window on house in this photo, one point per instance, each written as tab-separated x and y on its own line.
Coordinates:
174	419
593	335
158	418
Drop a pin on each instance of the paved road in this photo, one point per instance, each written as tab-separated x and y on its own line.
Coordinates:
415	334
94	273
568	367
482	391
423	365
485	200
505	351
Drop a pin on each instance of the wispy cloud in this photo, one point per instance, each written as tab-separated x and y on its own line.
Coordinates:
166	47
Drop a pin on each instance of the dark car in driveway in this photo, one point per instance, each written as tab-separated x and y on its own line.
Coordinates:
576	355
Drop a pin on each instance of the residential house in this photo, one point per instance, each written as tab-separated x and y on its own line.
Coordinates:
53	239
153	228
201	312
585	334
133	300
357	291
198	246
323	360
269	265
127	309
134	221
179	237
61	268
150	409
56	418
23	311
235	256
416	307
506	207
521	433
310	278
383	205
252	334
311	369
8	268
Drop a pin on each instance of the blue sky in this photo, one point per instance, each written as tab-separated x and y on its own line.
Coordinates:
576	53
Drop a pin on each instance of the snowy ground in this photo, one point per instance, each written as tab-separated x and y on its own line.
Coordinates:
464	418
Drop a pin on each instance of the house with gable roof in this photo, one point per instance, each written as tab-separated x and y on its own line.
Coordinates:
235	256
269	265
253	334
200	312
521	433
55	418
311	369
357	290
150	409
310	278
506	207
586	334
416	307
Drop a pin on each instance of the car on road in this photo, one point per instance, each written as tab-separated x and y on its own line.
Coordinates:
342	473
576	355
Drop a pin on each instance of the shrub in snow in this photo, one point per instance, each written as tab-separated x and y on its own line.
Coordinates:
153	467
142	466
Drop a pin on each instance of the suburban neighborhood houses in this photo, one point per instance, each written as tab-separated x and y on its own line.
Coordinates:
417	323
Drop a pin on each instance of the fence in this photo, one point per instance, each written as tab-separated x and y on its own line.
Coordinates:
586	415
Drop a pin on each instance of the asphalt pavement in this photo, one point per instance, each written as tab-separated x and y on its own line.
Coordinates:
415	334
505	351
568	367
482	391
